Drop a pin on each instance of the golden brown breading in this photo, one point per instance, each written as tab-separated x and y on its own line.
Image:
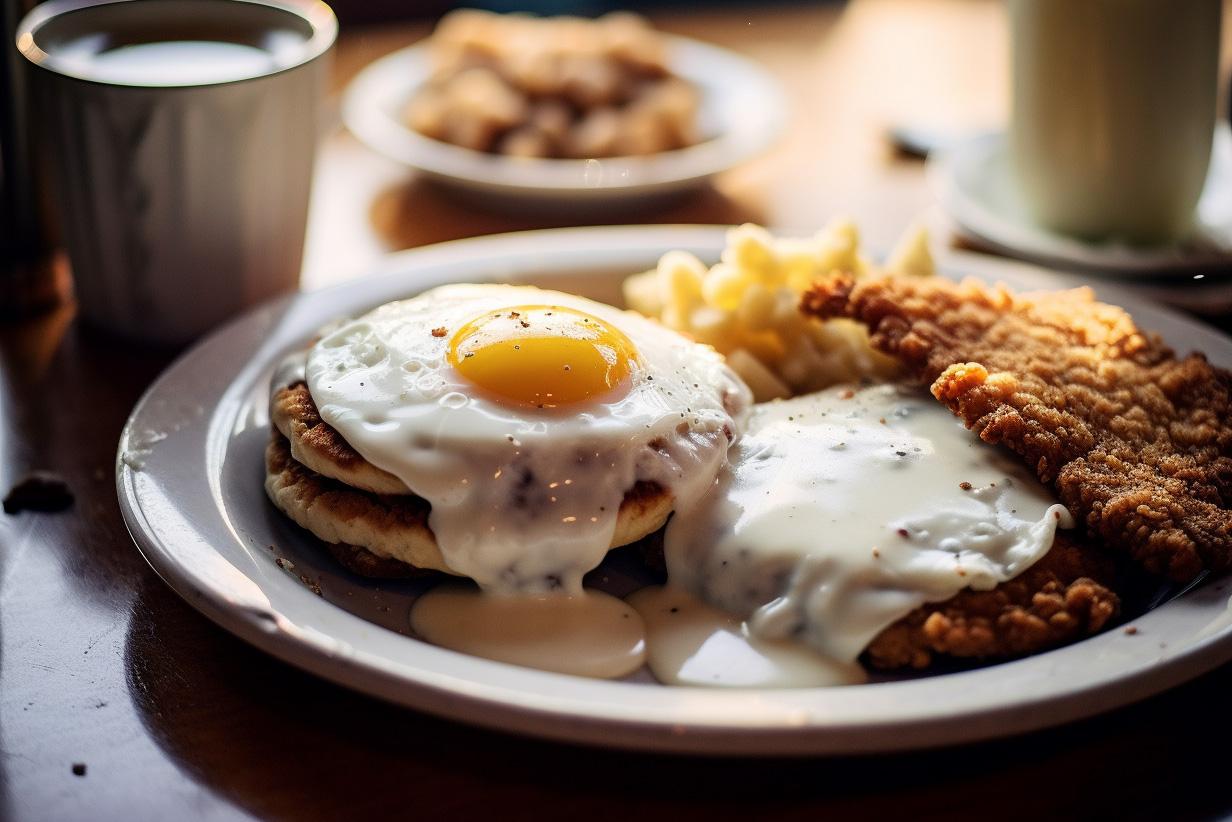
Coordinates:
1059	599
1063	597
1137	443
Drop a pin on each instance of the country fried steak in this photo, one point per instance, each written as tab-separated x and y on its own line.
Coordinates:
1065	596
1136	442
1060	599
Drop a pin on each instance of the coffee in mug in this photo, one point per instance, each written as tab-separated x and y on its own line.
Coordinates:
182	135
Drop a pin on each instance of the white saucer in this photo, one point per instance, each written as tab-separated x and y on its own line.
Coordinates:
189	475
976	189
743	112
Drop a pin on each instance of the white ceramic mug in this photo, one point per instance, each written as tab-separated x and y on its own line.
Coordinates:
1113	113
182	136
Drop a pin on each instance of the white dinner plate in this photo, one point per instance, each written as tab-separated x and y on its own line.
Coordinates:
976	187
189	476
742	113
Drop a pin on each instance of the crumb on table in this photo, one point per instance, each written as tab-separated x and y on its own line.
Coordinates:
42	491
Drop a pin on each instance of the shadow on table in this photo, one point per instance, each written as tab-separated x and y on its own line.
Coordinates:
419	212
281	743
65	392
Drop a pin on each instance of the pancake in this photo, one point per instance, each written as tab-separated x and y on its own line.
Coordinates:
319	447
364	563
394	527
390	527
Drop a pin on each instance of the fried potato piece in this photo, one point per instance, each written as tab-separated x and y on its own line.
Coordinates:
1136	442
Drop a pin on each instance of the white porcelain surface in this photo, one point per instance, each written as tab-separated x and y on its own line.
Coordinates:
742	113
189	480
975	186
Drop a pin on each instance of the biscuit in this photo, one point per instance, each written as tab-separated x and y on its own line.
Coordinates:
318	446
370	532
389	526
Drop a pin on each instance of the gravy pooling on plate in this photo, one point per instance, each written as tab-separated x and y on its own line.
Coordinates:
590	634
689	642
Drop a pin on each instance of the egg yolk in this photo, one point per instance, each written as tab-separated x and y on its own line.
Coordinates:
543	355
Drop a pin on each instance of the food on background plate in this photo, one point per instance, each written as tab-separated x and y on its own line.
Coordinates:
513	436
559	87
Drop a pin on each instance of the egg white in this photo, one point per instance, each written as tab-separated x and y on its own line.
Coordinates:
523	499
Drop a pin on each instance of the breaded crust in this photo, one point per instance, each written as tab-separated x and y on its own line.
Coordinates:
1063	597
1057	600
1136	442
395	527
318	445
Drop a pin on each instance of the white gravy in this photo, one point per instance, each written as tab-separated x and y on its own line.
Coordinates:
592	634
691	643
841	512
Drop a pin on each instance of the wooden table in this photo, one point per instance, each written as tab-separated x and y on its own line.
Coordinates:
102	665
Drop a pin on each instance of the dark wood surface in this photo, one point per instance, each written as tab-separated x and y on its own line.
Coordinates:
102	665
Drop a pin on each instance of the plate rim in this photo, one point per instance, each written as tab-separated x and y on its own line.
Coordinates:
976	216
262	626
363	117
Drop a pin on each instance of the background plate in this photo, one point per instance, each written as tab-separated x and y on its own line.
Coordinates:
975	184
742	113
189	475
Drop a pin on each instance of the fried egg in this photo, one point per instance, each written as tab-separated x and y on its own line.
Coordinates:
523	417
